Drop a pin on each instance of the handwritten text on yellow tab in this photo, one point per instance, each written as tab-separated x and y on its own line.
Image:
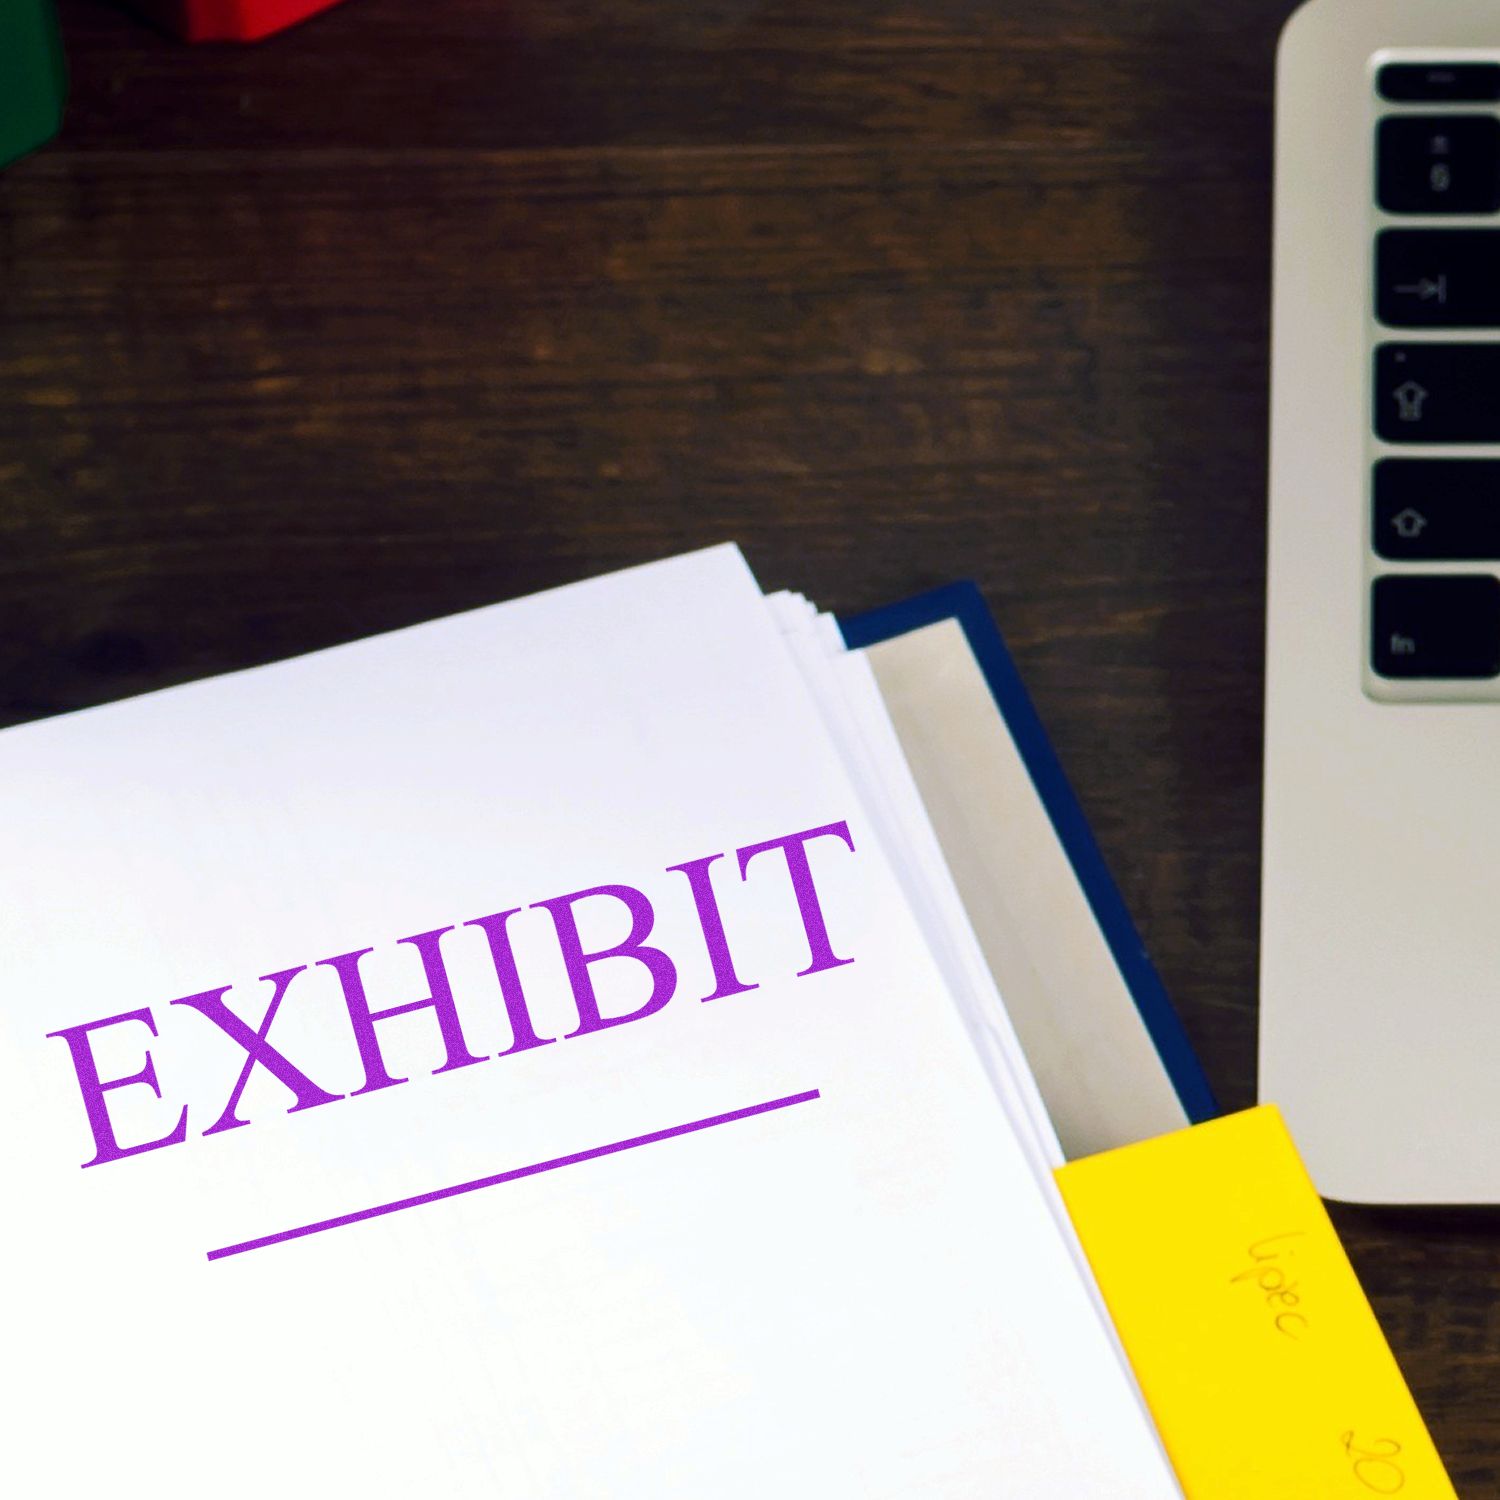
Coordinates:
1268	1273
1265	1369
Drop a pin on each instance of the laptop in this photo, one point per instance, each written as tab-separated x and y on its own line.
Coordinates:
1380	971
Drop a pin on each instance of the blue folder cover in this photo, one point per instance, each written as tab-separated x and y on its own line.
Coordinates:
964	603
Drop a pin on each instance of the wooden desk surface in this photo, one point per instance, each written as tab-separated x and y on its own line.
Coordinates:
428	304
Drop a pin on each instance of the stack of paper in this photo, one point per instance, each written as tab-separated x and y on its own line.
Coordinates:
541	1053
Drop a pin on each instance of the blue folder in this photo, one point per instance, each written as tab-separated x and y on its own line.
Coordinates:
963	603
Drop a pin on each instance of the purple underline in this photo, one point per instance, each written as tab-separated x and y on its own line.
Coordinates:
438	1194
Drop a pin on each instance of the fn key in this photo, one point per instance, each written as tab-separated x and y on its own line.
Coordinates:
1436	625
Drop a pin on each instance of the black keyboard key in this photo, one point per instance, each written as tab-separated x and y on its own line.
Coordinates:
1437	509
1436	626
1439	83
1437	393
1439	164
1438	278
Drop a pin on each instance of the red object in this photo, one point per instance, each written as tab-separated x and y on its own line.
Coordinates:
229	20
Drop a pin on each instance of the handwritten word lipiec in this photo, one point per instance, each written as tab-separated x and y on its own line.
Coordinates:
211	1005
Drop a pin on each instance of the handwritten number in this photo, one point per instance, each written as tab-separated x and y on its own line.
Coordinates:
1375	1464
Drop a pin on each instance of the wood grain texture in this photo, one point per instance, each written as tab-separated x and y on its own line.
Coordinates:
425	305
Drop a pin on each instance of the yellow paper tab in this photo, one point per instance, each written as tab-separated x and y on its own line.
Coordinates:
1258	1353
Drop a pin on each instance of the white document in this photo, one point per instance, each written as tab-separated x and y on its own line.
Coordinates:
855	715
783	1241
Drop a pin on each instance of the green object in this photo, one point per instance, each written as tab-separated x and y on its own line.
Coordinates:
33	77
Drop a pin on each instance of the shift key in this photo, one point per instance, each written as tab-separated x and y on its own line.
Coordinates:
1437	393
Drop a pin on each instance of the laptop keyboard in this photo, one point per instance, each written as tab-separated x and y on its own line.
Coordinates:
1436	382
